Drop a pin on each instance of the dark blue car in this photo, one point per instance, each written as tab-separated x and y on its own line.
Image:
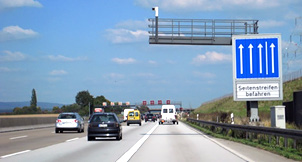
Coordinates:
104	125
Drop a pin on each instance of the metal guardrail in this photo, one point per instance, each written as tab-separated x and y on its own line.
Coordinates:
288	133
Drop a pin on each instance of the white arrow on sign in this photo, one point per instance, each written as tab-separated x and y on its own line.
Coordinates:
260	57
251	58
266	58
241	64
272	48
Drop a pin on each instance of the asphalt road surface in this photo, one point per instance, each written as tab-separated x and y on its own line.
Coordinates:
149	142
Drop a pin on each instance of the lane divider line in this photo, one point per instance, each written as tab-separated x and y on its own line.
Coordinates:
71	139
134	148
17	153
18	137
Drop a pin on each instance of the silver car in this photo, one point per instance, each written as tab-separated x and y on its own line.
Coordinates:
69	121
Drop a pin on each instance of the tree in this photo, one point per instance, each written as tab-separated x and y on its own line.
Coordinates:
33	102
83	99
98	101
143	109
18	110
56	109
71	108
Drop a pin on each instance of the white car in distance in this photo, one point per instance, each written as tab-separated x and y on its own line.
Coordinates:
168	114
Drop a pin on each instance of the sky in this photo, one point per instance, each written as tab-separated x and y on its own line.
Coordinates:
62	47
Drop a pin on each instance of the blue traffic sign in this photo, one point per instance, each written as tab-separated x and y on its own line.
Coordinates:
257	58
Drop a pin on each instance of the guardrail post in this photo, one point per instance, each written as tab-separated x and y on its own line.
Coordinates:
269	139
277	140
295	144
285	142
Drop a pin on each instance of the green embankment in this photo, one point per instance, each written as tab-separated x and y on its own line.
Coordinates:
228	105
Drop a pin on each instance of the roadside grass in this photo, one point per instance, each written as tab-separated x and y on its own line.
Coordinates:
261	142
212	110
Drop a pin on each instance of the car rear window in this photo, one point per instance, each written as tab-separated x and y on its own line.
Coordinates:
67	116
170	110
103	118
165	110
131	113
149	115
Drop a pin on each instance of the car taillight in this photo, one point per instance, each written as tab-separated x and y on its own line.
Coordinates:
58	121
75	120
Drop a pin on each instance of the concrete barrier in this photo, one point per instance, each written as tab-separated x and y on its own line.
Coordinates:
23	120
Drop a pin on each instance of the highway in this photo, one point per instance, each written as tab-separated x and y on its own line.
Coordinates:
149	142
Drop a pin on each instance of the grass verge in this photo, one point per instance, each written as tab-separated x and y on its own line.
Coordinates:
286	152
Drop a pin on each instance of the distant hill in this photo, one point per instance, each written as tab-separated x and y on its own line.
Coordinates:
9	106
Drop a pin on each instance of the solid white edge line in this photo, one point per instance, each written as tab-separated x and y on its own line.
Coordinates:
223	146
71	139
18	137
17	153
135	147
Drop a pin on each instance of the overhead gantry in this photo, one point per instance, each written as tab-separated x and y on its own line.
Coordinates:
198	31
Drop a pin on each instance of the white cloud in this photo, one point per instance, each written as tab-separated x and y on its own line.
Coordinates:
19	3
11	56
211	57
271	23
64	58
6	69
152	62
204	75
133	24
16	33
58	72
207	5
127	36
129	31
171	62
124	61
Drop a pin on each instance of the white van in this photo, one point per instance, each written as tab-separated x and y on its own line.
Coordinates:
126	113
168	114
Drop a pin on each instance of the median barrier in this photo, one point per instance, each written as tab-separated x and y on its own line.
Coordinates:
26	120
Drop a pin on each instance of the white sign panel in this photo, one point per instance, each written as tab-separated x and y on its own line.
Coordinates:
248	91
257	67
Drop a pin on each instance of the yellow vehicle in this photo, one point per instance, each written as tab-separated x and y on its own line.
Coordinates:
134	117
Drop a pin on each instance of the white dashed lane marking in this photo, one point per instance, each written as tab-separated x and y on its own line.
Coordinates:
17	137
71	139
17	153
